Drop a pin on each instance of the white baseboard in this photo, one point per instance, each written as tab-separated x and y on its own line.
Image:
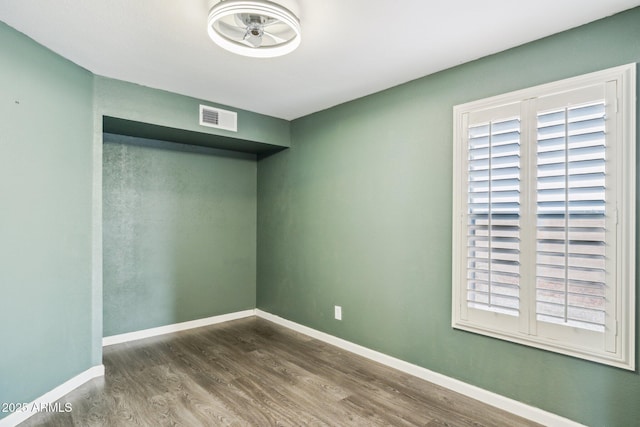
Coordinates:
485	396
47	400
176	327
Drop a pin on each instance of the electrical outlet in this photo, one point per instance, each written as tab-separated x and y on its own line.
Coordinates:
337	312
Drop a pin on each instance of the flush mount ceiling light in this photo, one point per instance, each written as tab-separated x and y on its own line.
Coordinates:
260	29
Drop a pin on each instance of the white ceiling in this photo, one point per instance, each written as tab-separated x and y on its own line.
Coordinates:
350	48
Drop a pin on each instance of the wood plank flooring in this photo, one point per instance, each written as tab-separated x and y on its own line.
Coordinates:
251	372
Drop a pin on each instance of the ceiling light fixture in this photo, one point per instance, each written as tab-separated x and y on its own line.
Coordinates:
260	29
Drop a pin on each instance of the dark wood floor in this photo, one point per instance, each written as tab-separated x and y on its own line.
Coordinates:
251	372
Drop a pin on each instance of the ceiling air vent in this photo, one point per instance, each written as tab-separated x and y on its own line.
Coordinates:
218	118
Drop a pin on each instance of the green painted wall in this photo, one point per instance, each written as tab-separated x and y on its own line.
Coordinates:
179	233
357	213
140	103
205	247
126	289
45	219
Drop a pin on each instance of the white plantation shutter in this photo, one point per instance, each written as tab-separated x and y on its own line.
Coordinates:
491	214
544	217
494	216
571	216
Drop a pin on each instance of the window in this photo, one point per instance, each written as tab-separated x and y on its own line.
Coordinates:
544	216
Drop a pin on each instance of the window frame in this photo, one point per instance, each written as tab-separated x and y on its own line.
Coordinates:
618	347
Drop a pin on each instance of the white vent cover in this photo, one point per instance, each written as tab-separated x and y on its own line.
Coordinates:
218	118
